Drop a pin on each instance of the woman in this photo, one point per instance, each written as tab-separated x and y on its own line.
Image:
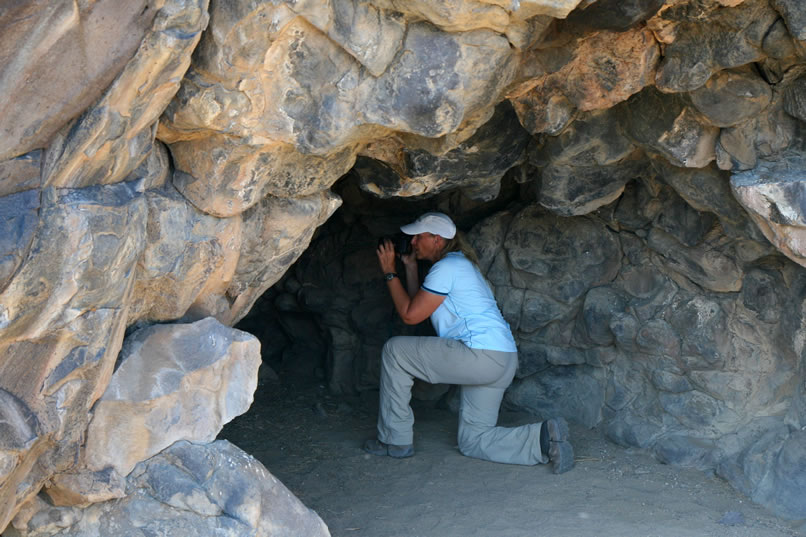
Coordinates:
474	349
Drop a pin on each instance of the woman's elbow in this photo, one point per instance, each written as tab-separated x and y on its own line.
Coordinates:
410	320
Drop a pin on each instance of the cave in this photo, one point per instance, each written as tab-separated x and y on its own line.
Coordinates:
191	207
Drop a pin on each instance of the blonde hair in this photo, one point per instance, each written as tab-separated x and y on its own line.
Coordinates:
459	243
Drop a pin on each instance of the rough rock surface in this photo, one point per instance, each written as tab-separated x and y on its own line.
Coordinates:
173	382
185	491
631	173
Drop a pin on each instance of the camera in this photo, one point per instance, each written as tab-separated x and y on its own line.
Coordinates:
400	241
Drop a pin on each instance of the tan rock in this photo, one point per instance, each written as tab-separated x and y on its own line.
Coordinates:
224	176
56	58
186	252
605	68
115	135
275	232
21	173
174	382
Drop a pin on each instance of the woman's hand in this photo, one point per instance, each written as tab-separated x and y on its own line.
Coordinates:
386	256
409	260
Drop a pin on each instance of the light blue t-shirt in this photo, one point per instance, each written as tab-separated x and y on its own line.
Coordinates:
469	312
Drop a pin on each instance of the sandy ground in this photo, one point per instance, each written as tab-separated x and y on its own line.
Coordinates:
311	441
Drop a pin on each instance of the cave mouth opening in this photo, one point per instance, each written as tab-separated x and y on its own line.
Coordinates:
652	324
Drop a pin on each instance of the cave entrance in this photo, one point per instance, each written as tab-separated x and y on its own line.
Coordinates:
616	337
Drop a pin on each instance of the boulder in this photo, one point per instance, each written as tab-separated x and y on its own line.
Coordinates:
676	133
186	490
772	194
173	382
731	97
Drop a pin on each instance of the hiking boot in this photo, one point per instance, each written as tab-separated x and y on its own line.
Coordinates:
561	453
376	447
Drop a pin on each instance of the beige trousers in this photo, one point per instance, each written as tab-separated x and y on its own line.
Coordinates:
483	376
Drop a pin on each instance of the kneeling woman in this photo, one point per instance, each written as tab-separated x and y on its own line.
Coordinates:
474	349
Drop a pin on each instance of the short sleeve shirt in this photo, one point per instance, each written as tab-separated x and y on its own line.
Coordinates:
469	312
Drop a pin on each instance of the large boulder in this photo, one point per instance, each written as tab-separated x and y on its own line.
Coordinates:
185	491
173	382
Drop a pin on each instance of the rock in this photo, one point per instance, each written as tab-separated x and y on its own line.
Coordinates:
464	15
187	490
188	256
58	58
276	232
795	98
784	493
20	173
677	133
112	137
86	488
601	71
593	324
732	37
731	97
476	166
224	176
793	15
705	264
767	135
771	193
19	217
549	395
687	451
541	247
616	15
302	79
708	189
173	382
698	411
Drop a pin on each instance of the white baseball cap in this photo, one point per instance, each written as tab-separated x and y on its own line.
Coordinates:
436	223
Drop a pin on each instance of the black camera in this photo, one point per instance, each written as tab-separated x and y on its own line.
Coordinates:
400	241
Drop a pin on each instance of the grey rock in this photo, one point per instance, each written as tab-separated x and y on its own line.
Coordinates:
677	131
708	189
173	382
698	411
541	247
114	136
744	146
679	219
658	337
732	37
732	96
688	451
772	194
614	14
704	264
732	518
670	382
19	218
795	18
476	166
795	98
594	321
185	491
548	394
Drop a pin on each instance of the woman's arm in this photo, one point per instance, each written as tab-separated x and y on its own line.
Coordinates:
413	307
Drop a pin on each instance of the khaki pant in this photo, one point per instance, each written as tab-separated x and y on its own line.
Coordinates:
483	375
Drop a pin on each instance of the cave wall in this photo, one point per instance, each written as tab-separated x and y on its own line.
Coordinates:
631	173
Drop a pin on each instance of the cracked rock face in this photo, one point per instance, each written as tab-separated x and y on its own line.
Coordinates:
630	172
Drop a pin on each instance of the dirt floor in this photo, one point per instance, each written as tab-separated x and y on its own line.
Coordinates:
311	442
